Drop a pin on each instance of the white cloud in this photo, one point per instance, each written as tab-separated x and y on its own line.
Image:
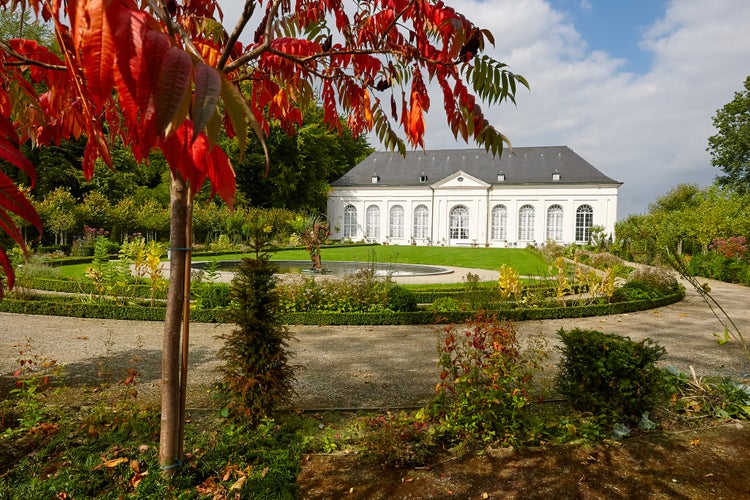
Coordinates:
649	131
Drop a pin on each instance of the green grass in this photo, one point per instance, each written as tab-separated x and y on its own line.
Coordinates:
526	262
73	270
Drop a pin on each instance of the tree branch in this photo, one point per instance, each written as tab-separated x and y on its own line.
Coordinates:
25	61
247	13
173	28
263	47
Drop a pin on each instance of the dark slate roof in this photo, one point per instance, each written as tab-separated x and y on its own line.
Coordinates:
533	165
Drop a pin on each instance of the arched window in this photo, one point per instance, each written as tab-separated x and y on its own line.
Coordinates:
459	223
372	222
526	223
396	222
584	221
555	223
349	229
421	222
499	223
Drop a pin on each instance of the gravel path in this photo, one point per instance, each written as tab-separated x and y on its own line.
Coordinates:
358	366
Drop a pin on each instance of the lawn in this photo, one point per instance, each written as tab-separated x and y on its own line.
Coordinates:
526	262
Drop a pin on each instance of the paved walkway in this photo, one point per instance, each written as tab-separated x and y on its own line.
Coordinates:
361	366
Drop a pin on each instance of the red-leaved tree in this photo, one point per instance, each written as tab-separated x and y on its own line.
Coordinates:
164	74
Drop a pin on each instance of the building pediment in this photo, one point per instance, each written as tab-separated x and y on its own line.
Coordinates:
460	180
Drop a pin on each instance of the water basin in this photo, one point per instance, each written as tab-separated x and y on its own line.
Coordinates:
340	267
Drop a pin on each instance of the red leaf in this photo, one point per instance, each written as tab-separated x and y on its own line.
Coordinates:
174	81
221	175
156	45
195	160
98	49
130	28
207	90
9	152
14	201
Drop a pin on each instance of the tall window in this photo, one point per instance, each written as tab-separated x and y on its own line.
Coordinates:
396	222
372	222
499	223
459	223
555	223
584	221
526	223
421	222
349	229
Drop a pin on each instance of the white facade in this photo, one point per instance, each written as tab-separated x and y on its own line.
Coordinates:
461	209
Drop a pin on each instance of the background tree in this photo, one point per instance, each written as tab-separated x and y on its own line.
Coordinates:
137	71
95	211
678	198
730	146
303	164
58	211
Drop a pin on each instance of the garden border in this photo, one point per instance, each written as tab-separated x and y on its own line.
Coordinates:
61	307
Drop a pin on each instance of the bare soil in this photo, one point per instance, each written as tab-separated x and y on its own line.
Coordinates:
710	463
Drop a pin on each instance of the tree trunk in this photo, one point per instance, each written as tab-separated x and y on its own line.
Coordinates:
169	445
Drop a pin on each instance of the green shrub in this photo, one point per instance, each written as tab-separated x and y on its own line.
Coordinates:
609	374
657	278
445	304
401	299
634	290
257	376
212	295
713	265
647	283
360	291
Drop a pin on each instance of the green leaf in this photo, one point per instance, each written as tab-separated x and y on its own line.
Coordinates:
240	114
237	109
721	340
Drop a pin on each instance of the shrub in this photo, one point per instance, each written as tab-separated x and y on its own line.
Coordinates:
609	374
647	284
212	295
484	382
397	440
401	299
257	375
634	290
657	278
716	266
509	283
360	291
445	304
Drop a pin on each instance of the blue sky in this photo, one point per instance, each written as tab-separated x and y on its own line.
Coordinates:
630	85
615	27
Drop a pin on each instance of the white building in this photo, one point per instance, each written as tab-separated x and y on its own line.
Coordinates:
468	197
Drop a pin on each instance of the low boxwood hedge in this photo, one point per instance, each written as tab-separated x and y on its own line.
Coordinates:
69	307
81	286
64	306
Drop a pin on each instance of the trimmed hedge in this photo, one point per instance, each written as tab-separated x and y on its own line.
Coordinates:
87	287
485	294
71	308
67	307
429	317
